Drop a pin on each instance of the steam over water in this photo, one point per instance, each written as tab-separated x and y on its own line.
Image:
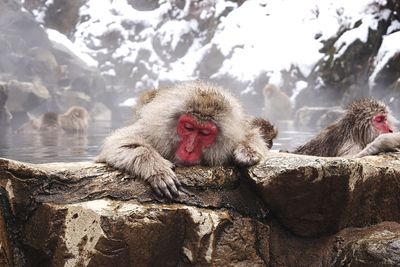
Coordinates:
62	147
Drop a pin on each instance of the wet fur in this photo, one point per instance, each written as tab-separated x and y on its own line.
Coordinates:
350	134
75	119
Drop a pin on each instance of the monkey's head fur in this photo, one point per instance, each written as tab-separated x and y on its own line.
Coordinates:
206	102
75	119
49	121
268	131
358	118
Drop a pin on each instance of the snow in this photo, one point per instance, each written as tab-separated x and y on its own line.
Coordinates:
60	41
288	37
130	102
389	47
369	21
395	26
174	29
261	37
300	85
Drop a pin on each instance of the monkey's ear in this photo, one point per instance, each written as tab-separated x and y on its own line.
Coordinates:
147	96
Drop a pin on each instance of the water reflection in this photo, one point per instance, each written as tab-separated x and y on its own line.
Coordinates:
42	147
290	136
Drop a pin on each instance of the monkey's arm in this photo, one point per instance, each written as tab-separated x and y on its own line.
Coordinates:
128	152
250	150
383	143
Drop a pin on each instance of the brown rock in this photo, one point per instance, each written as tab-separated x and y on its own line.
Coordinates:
313	196
85	214
64	214
24	96
374	246
370	246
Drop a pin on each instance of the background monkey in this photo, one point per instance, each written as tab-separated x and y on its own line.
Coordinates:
189	124
363	121
75	119
277	105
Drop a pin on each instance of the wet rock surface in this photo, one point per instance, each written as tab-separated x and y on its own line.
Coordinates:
85	214
312	196
290	210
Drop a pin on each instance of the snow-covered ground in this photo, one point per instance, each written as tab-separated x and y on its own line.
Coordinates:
259	36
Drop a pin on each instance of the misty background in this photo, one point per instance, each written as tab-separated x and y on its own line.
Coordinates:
321	55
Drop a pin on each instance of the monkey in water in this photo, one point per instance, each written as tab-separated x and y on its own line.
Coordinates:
277	105
75	119
189	124
363	121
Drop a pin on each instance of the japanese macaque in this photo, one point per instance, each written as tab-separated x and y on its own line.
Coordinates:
46	122
144	98
268	131
363	121
188	124
277	105
74	120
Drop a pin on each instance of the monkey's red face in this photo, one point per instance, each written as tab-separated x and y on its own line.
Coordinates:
194	137
381	124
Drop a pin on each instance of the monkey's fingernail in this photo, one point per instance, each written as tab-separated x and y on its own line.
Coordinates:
168	194
186	192
158	192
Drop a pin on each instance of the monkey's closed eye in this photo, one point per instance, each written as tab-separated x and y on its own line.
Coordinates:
205	132
189	127
380	118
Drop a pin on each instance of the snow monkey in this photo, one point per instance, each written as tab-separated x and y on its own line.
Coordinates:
363	121
75	119
188	124
277	105
268	130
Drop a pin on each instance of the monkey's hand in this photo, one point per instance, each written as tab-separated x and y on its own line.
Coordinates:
246	155
383	143
165	184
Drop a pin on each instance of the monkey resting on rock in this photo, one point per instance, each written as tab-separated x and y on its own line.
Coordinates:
268	131
363	121
189	124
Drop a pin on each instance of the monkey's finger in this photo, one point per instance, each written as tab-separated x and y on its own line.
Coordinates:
164	185
186	191
157	190
165	189
177	182
171	185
